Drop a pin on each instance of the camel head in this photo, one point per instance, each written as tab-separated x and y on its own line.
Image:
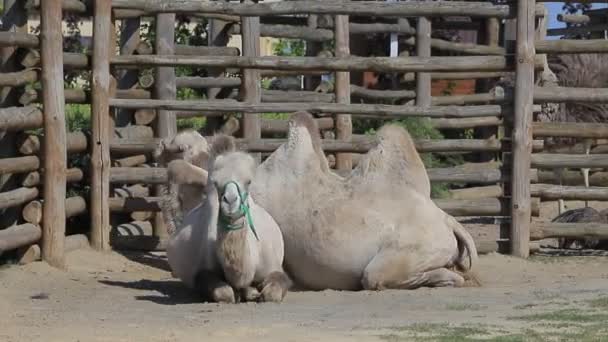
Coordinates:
231	173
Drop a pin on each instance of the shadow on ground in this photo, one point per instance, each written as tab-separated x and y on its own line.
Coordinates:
171	292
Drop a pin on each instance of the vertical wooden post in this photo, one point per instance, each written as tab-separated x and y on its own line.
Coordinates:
491	37
100	125
129	39
164	89
54	148
217	36
344	124
251	87
312	49
522	129
15	22
423	49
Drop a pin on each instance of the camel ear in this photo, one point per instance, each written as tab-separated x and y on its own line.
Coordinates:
222	143
181	172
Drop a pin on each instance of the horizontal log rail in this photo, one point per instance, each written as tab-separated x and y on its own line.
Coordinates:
570	94
545	230
19	164
351	63
566	177
18	236
138	175
370	110
559	161
570	129
34	178
17	197
74	6
18	79
482	207
18	39
359	8
20	118
572	46
271	126
581	193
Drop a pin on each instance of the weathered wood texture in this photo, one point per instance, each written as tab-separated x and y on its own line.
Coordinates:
570	129
72	243
135	175
75	142
55	142
555	160
343	123
352	63
572	46
17	197
566	177
370	110
570	94
251	88
133	204
19	164
18	78
465	123
359	8
582	193
522	130
545	230
33	211
35	178
481	207
18	236
423	49
207	82
20	118
127	79
272	126
100	126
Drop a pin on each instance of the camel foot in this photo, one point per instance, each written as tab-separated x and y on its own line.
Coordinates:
442	277
274	287
250	294
213	288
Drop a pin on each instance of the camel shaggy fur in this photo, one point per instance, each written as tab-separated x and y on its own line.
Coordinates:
187	148
374	229
228	246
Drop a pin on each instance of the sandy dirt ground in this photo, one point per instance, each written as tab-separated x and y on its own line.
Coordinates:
114	297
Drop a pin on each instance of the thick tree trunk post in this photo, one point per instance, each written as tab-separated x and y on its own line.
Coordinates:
217	36
312	49
55	142
129	40
491	38
16	22
164	89
251	87
522	130
344	124
100	125
423	49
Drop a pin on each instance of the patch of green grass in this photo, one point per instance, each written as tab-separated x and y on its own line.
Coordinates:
465	307
276	116
565	315
191	123
599	303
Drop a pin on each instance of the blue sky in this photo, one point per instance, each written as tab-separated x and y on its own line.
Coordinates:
556	7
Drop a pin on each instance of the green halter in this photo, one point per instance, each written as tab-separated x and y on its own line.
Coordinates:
244	209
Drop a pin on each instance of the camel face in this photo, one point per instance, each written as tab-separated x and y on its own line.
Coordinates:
231	176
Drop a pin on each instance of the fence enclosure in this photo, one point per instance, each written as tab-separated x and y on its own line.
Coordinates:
132	109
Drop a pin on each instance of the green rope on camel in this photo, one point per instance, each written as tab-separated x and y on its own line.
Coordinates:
243	208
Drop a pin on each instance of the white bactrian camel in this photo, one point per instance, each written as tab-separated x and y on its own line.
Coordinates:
377	228
229	242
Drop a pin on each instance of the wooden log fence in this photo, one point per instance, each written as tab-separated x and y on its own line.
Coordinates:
153	111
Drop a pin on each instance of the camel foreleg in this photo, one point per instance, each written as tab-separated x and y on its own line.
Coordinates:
213	288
